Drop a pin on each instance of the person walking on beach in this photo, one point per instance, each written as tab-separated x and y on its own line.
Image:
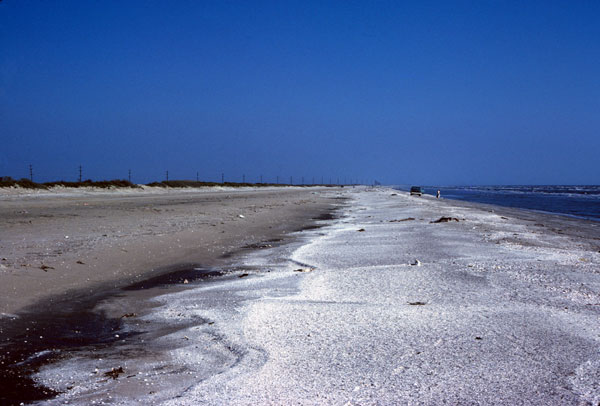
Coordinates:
437	196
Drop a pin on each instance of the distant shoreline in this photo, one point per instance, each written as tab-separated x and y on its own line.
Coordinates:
575	201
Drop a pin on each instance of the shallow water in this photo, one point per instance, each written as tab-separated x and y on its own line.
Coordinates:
576	201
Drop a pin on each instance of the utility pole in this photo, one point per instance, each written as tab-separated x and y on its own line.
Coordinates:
31	172
80	173
244	178
167	176
291	180
222	177
260	178
129	177
302	181
278	179
197	179
322	183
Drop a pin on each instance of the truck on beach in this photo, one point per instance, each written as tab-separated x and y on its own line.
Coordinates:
416	190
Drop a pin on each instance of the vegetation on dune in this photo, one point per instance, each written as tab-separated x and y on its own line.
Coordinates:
105	184
193	183
7	181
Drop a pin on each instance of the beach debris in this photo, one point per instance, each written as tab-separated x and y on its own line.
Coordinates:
394	194
416	263
445	220
478	338
361	230
80	262
306	269
258	245
241	216
243	275
417	303
185	281
45	267
127	315
4	259
186	338
114	373
400	220
66	237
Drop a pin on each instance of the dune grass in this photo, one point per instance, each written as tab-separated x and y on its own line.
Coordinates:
25	183
28	184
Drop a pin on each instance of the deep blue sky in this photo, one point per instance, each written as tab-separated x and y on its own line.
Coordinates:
477	92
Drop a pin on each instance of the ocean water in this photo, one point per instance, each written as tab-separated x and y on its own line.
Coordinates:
569	200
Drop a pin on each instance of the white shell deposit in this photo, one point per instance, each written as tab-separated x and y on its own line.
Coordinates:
497	312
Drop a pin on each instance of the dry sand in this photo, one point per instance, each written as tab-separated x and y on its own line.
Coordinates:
53	242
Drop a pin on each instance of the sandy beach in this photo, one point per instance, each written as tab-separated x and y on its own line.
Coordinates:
52	242
64	250
395	300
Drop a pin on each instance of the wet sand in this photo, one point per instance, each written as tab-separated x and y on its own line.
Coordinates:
383	305
64	253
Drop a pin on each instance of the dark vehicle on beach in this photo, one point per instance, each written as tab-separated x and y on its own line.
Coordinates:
416	190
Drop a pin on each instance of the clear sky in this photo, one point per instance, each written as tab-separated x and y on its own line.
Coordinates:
465	92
